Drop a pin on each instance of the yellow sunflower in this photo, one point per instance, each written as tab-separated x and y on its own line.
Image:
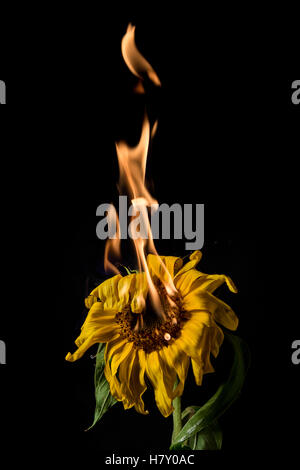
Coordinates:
141	343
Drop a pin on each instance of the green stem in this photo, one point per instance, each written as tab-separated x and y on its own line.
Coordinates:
177	424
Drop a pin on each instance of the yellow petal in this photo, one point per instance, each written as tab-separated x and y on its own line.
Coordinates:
203	300
163	267
140	376
217	338
105	336
193	339
131	375
116	346
115	386
119	356
139	291
168	373
179	361
97	316
155	374
90	300
200	337
201	362
200	369
124	374
194	279
107	292
173	264
185	281
99	327
112	346
124	290
194	260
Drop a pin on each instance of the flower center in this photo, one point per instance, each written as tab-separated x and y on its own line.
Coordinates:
148	331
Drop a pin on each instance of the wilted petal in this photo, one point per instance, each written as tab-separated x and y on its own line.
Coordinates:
155	374
139	291
99	327
179	361
131	376
194	279
195	258
107	292
221	312
162	266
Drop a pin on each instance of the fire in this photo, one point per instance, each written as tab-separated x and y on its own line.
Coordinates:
132	167
134	60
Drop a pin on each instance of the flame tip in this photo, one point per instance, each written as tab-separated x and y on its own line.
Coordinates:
134	60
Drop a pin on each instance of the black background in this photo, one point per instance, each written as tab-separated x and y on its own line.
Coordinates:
227	137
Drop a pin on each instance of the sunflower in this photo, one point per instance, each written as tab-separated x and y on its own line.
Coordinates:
141	343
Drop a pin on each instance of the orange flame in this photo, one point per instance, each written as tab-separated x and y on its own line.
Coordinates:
134	60
132	167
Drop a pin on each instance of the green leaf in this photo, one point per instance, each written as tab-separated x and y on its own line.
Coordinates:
189	412
226	394
104	399
181	447
209	438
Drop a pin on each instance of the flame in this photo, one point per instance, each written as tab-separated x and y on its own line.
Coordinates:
132	164
132	167
153	294
134	60
154	129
